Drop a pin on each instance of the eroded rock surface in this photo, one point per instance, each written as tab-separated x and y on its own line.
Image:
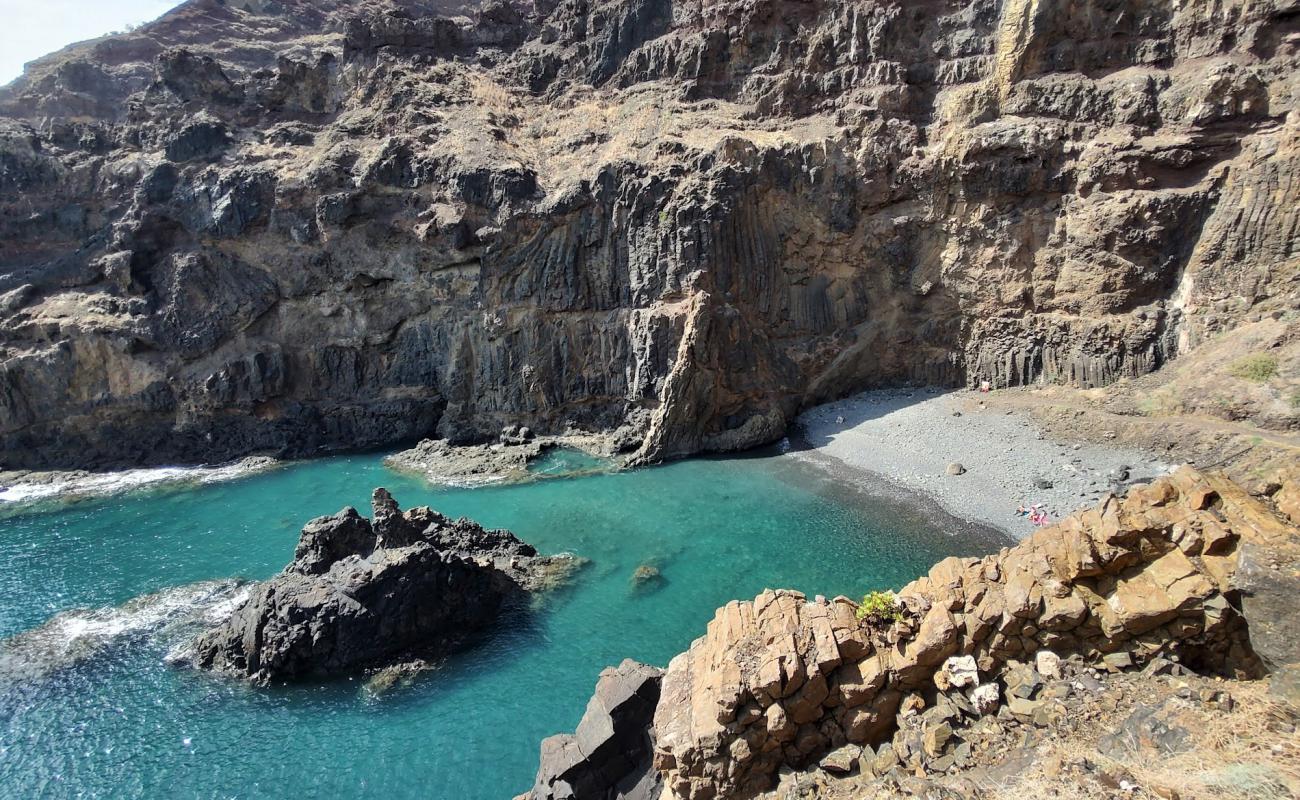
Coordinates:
1147	581
608	757
365	592
504	461
297	226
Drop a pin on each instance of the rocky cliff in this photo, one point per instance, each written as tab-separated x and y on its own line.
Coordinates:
293	225
1164	579
608	757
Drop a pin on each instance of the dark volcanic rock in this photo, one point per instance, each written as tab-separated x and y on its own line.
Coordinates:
326	540
305	225
361	594
609	756
200	138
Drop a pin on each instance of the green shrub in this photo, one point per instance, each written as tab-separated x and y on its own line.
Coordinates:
879	608
1257	367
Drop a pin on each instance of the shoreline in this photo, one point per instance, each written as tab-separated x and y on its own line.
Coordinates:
905	439
895	444
875	489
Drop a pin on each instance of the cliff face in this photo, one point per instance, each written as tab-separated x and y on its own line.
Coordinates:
1160	577
292	226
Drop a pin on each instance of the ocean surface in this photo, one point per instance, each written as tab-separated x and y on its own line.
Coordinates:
92	710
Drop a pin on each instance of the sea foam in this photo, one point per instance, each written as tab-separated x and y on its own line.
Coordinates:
102	484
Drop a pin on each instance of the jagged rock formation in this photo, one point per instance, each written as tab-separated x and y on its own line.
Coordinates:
307	224
781	681
608	757
361	592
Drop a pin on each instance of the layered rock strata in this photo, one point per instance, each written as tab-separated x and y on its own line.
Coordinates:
305	225
609	756
366	592
780	681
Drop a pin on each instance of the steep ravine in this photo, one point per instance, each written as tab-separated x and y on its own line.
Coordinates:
289	226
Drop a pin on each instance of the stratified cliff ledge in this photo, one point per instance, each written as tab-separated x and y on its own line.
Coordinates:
290	226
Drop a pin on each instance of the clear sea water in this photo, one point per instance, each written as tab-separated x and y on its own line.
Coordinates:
125	724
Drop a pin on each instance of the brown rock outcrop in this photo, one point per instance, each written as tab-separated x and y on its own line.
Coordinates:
780	681
314	224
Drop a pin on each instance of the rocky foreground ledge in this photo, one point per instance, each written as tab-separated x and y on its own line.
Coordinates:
371	592
1164	580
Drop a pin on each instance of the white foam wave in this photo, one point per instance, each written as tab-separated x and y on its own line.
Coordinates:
83	484
72	636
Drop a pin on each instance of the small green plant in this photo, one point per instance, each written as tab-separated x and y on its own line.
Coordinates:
1160	402
879	608
1295	399
1257	367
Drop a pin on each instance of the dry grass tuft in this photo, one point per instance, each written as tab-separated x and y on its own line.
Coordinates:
1251	753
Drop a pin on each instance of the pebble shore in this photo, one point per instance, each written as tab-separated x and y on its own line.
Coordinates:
909	438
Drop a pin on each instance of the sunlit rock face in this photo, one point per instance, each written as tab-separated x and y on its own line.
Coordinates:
779	681
298	226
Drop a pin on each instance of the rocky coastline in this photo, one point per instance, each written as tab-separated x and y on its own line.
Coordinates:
506	460
1190	575
610	755
487	229
364	593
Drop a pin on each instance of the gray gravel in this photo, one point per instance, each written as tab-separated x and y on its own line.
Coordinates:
909	438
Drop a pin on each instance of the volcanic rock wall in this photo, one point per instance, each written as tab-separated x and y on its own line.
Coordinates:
292	226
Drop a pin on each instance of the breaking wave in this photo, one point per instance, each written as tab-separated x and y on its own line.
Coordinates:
71	637
30	489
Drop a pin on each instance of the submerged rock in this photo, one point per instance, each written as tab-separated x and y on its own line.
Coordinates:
368	592
646	576
395	676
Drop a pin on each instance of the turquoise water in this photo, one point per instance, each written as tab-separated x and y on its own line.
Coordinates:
560	461
124	724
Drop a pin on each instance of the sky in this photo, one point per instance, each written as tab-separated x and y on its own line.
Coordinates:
31	28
